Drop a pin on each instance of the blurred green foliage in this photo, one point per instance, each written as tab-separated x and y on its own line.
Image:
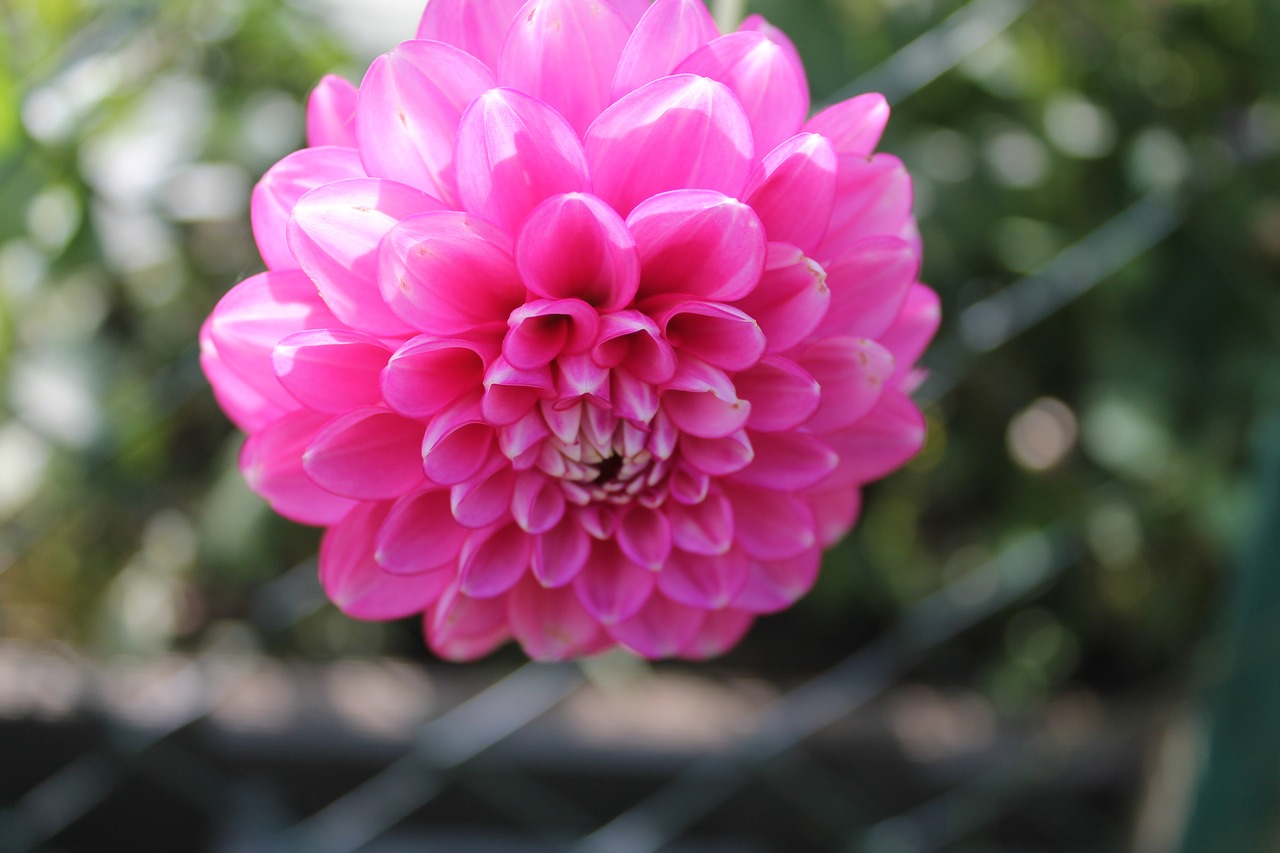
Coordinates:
131	133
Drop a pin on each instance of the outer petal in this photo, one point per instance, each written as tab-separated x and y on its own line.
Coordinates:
645	536
698	242
835	511
331	370
447	273
537	503
721	631
915	327
705	527
278	192
493	560
788	461
702	401
550	624
485	499
477	28
575	245
678	132
771	525
370	454
514	151
793	190
630	10
632	341
766	77
331	112
782	395
560	554
356	583
510	393
565	53
869	285
717	334
460	628
853	373
541	330
407	117
429	373
659	630
612	588
853	126
458	444
774	585
334	233
705	582
247	407
271	461
883	441
791	298
669	31
872	197
420	534
717	457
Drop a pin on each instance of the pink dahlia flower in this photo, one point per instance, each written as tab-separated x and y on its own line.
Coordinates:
576	330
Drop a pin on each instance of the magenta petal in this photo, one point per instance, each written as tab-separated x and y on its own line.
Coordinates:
612	587
271	461
331	370
660	629
460	628
370	454
429	373
458	443
560	554
793	190
720	335
787	461
774	585
882	441
721	631
771	525
493	560
781	394
247	407
411	101
331	112
645	536
689	487
283	185
575	245
853	126
565	53
513	152
632	398
791	298
699	242
869	284
541	330
767	79
853	373
834	512
708	582
484	499
678	132
477	28
911	332
630	10
669	31
873	197
537	503
510	393
631	340
581	377
357	585
702	528
550	624
717	457
448	273
702	402
420	534
334	233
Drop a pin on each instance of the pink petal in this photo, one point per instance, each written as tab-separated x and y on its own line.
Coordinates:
331	112
914	327
493	560
580	377
631	397
781	394
771	525
834	512
678	132
702	402
853	373
271	461
853	126
793	190
334	234
370	454
717	457
420	534
537	503
659	630
429	373
460	628
645	536
791	298
767	79
718	334
689	487
565	53
484	499
788	461
708	582
759	24
247	407
357	585
513	152
331	370
448	273
873	197
632	341
612	587
668	32
411	101
721	631
477	28
575	245
521	441
458	443
774	585
702	528
882	441
560	554
698	242
283	185
630	10
869	284
541	330
510	393
550	624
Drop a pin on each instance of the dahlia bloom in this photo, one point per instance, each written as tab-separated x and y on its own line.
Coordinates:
576	330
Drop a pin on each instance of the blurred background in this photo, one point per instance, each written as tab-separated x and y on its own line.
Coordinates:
1057	630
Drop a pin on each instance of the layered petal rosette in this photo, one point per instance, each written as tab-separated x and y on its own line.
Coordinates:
576	329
